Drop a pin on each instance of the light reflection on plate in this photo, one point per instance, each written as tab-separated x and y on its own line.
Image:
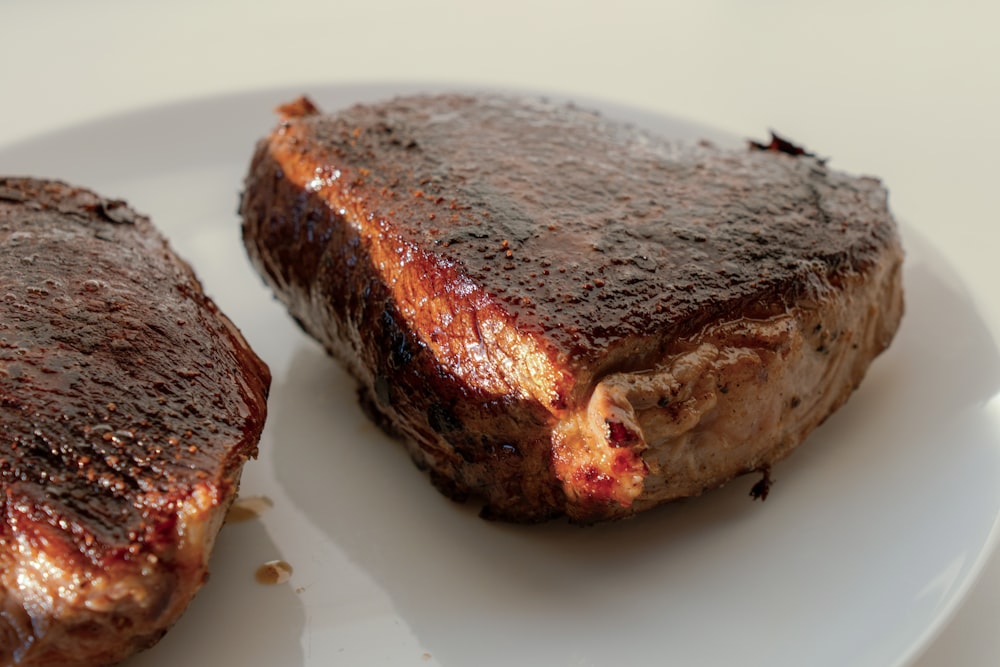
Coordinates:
873	532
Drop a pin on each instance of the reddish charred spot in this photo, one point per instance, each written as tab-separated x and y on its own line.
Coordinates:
298	108
625	462
620	435
779	144
596	484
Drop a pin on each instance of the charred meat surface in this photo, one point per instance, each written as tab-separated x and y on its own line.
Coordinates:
564	315
128	406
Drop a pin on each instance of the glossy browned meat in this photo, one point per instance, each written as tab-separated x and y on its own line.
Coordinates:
128	406
561	314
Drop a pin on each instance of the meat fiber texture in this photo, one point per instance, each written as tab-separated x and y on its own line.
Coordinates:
128	406
562	315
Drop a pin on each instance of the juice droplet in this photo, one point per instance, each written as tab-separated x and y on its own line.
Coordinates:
273	572
245	509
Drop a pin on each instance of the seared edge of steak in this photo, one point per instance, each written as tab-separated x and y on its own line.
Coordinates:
736	398
128	406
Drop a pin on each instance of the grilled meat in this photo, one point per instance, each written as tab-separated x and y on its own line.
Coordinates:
128	406
564	315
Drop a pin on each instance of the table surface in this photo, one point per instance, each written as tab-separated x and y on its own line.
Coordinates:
905	89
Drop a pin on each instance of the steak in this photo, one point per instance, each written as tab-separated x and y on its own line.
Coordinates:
128	406
560	314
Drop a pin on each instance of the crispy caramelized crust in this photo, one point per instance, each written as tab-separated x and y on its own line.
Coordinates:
485	266
128	406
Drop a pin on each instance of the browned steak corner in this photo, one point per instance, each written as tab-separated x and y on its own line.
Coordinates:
562	314
128	406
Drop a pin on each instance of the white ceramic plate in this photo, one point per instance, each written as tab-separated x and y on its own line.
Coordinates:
873	531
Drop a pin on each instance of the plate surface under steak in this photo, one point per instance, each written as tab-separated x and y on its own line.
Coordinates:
128	406
564	315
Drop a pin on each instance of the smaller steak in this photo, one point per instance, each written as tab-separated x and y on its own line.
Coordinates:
128	406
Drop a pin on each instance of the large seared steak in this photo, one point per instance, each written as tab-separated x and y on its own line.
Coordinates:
563	315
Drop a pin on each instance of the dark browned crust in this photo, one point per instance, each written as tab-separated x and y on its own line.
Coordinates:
671	238
123	389
595	241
